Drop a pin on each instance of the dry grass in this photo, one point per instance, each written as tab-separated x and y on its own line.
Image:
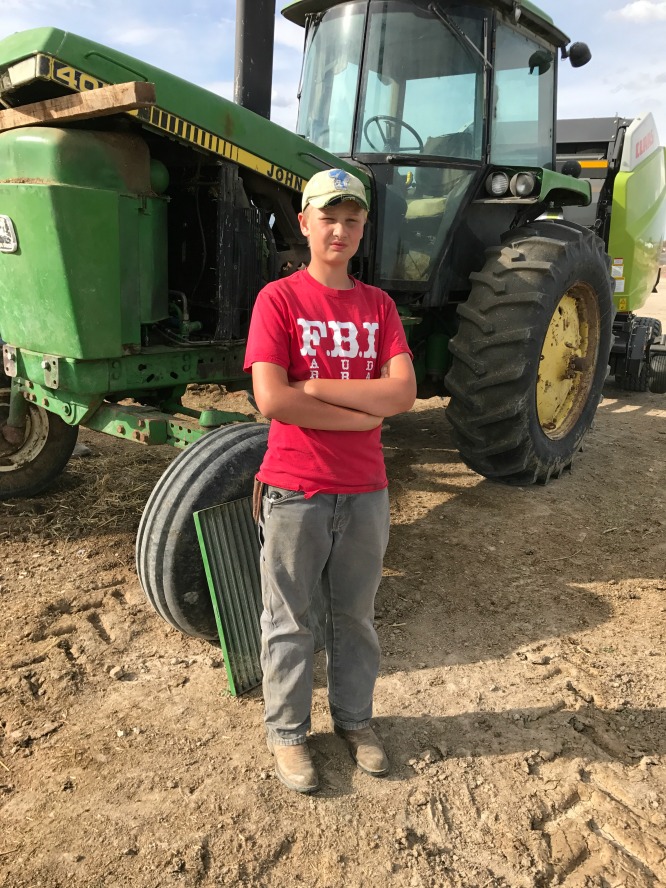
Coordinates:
102	492
107	490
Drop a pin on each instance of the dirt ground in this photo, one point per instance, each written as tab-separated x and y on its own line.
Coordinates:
522	693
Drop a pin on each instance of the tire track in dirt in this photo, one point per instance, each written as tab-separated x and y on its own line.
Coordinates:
522	696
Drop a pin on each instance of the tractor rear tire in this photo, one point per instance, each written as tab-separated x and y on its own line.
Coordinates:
530	356
218	468
31	466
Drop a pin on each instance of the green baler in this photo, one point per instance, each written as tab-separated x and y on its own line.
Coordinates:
624	163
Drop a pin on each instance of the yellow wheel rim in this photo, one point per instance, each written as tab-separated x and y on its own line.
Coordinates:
568	361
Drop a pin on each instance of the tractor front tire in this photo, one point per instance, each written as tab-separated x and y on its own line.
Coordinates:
657	373
29	467
218	468
530	356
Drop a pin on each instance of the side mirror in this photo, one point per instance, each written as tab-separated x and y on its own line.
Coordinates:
579	54
572	168
541	60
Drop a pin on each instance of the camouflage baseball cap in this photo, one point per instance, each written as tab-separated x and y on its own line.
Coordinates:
333	186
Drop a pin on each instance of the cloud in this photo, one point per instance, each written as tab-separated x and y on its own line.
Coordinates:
287	61
13	23
280	100
642	11
140	34
30	7
617	93
288	34
284	103
285	116
23	15
224	88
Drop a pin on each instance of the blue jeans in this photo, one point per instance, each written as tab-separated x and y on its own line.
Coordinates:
330	544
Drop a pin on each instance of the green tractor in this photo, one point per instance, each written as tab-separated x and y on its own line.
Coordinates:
133	243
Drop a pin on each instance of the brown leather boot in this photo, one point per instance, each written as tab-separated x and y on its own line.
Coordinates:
366	749
293	766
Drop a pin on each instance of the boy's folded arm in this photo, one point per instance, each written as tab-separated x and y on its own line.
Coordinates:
277	399
394	392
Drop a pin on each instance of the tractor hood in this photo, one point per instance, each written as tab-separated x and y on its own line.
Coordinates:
49	61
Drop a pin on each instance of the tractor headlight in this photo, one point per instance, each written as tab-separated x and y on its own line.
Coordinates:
497	184
523	184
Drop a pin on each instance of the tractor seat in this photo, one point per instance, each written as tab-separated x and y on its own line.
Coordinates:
425	207
434	183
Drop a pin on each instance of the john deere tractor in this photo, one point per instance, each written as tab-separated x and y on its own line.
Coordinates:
134	240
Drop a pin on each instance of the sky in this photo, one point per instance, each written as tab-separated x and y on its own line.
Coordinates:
195	40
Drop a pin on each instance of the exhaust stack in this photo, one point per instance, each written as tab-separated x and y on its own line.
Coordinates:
253	77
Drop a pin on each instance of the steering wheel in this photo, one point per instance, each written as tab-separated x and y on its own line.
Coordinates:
390	143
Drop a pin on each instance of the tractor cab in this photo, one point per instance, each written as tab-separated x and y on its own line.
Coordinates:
430	98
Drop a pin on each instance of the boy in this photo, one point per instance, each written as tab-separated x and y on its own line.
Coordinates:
329	360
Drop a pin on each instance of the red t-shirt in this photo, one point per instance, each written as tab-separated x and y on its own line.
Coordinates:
314	331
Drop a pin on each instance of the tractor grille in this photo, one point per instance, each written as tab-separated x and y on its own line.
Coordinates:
242	249
230	550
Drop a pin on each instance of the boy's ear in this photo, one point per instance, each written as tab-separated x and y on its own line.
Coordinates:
303	222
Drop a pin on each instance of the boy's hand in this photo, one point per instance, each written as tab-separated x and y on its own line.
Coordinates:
394	392
287	402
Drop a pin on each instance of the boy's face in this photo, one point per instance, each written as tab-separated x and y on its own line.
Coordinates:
334	231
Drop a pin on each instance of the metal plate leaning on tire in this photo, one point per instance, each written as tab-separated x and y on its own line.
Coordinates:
230	550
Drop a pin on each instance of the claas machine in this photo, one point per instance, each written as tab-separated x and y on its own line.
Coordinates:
136	233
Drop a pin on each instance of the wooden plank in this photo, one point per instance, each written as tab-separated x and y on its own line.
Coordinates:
91	103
